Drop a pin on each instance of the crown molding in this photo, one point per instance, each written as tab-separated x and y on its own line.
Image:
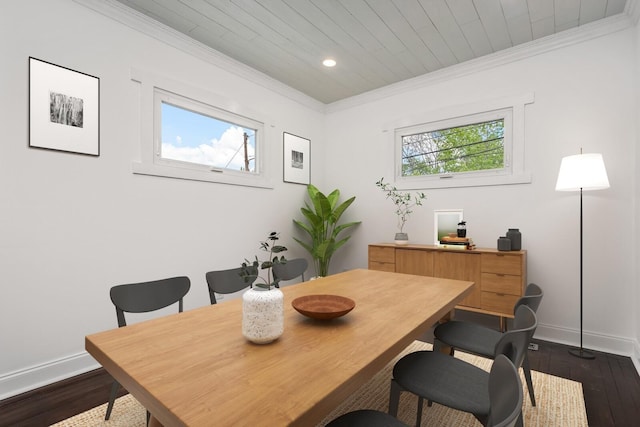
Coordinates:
152	28
539	46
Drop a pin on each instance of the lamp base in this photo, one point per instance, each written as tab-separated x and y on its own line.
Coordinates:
582	353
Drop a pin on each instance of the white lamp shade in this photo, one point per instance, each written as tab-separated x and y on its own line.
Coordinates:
582	171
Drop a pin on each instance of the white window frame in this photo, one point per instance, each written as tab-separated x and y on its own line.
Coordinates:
511	109
153	90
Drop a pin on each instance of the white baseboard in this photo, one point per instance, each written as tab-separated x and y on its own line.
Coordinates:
34	377
592	341
635	357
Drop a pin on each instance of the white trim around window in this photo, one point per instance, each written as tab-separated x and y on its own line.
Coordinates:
151	85
512	108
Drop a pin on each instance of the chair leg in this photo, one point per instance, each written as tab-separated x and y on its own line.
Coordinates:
527	376
394	398
112	398
419	414
441	347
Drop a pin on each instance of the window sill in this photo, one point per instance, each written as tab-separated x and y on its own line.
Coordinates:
225	177
461	181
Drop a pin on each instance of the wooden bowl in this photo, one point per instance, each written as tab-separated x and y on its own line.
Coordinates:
323	307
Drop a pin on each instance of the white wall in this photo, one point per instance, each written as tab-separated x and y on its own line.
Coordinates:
72	226
583	98
636	126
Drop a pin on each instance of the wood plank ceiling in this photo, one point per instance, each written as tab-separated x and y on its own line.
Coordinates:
375	42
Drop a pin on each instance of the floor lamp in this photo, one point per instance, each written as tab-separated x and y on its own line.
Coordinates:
582	172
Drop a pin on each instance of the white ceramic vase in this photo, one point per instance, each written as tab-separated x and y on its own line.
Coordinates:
262	314
401	239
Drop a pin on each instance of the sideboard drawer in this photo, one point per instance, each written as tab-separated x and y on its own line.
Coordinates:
503	264
381	254
382	266
501	303
502	283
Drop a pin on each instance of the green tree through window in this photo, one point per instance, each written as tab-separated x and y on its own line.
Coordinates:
468	148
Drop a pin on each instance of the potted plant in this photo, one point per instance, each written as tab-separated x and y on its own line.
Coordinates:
263	304
404	202
322	225
251	269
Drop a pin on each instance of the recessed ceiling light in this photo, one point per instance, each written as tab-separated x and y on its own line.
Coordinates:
329	62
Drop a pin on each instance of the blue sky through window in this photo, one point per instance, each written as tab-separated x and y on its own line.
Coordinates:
197	138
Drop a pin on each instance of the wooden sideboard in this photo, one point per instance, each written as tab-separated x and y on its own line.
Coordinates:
500	276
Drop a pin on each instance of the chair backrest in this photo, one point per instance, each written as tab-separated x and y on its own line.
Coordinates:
505	394
148	296
532	298
291	269
514	343
225	282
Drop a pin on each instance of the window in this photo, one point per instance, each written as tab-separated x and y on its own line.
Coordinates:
189	133
472	147
481	144
192	133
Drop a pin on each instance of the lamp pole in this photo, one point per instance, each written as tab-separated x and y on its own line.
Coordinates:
581	352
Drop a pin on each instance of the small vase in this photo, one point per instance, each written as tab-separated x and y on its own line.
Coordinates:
401	239
504	244
262	315
516	239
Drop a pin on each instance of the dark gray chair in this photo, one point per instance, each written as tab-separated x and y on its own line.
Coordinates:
451	382
291	269
505	393
482	341
142	298
366	418
225	282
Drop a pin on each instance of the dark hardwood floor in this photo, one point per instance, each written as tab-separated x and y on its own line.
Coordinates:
611	388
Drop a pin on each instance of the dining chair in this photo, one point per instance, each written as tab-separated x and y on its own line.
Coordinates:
291	269
366	418
142	298
481	340
225	282
454	383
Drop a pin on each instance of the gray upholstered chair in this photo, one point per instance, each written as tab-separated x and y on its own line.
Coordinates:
291	269
225	282
451	382
142	298
482	341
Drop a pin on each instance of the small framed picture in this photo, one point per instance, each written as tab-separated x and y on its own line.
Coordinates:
296	159
64	109
445	222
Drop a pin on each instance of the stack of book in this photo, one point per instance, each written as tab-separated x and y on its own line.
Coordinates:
459	243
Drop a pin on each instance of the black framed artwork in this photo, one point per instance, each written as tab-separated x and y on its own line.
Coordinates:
296	160
64	109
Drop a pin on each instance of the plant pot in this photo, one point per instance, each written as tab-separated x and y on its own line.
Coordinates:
401	239
262	315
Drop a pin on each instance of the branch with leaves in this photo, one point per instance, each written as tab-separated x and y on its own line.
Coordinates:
403	200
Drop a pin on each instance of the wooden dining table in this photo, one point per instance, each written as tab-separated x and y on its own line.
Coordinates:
196	369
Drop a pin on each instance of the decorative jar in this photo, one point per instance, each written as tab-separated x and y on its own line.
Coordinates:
262	314
516	239
462	229
504	244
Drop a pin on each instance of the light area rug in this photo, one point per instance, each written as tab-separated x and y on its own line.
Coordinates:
560	402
